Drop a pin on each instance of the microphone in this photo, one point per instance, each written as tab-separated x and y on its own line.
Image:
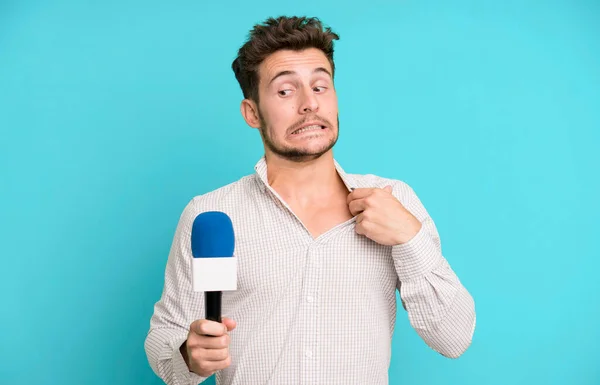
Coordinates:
214	267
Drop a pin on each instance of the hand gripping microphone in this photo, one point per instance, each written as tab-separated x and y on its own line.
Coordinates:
214	267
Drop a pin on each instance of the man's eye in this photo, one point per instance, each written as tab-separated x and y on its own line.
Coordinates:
319	89
285	92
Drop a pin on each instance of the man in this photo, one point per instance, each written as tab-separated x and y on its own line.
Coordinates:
320	251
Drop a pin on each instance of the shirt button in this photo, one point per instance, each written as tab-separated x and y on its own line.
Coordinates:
308	353
309	299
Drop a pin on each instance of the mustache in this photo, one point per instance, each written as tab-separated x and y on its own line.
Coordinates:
313	118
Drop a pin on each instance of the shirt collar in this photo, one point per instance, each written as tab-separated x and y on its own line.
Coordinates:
261	171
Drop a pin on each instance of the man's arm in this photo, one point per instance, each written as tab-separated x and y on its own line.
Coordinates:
177	308
439	307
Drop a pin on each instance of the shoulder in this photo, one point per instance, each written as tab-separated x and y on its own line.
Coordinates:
227	198
401	189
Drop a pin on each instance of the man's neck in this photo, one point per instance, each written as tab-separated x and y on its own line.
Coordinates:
305	183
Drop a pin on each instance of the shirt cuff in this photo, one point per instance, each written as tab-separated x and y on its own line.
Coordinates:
180	369
417	257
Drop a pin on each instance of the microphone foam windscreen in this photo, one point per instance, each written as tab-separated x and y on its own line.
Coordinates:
212	235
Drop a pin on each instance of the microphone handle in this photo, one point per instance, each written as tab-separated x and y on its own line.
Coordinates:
212	305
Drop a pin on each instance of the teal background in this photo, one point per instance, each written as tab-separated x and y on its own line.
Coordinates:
114	114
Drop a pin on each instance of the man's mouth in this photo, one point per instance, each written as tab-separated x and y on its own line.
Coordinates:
313	127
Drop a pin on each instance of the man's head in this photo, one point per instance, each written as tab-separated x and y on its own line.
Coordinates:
286	71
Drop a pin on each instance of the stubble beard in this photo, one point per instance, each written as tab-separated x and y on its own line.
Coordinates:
294	154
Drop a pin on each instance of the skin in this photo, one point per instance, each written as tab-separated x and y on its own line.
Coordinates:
296	88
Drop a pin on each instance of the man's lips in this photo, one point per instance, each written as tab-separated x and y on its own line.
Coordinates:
310	126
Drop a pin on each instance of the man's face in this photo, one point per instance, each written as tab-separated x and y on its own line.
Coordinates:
297	111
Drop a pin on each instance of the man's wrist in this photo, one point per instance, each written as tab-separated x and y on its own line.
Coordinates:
406	237
417	257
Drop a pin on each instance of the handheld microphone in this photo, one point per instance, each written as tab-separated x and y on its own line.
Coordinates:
214	267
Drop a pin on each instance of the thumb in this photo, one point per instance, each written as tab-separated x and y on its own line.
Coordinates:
388	189
229	323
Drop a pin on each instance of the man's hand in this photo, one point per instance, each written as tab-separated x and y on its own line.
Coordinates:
207	347
381	217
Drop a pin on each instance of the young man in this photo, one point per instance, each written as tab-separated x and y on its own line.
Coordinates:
320	251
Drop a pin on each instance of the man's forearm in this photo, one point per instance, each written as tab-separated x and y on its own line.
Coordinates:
442	314
439	307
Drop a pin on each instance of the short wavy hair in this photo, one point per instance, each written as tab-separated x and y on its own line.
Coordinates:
274	34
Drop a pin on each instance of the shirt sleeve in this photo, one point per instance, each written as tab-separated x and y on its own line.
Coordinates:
177	308
439	307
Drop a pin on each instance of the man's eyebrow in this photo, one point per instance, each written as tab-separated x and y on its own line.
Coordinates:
322	69
284	73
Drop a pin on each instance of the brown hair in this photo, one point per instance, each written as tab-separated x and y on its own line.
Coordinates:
293	33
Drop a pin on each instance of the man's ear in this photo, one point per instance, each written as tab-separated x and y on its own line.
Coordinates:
249	111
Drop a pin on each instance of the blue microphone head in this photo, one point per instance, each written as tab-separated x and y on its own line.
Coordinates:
212	235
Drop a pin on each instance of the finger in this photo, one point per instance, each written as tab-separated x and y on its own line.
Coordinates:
205	327
209	342
359	193
213	366
388	188
207	368
229	323
216	354
364	228
357	206
359	218
359	229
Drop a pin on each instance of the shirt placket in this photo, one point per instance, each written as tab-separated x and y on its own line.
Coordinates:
310	306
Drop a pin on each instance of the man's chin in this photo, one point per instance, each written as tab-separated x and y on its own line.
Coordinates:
304	157
300	154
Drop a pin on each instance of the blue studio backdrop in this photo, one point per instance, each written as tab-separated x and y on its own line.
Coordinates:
114	114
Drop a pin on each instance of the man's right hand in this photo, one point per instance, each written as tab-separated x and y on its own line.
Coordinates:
207	347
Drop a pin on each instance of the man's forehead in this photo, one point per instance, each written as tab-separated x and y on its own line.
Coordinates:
287	60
